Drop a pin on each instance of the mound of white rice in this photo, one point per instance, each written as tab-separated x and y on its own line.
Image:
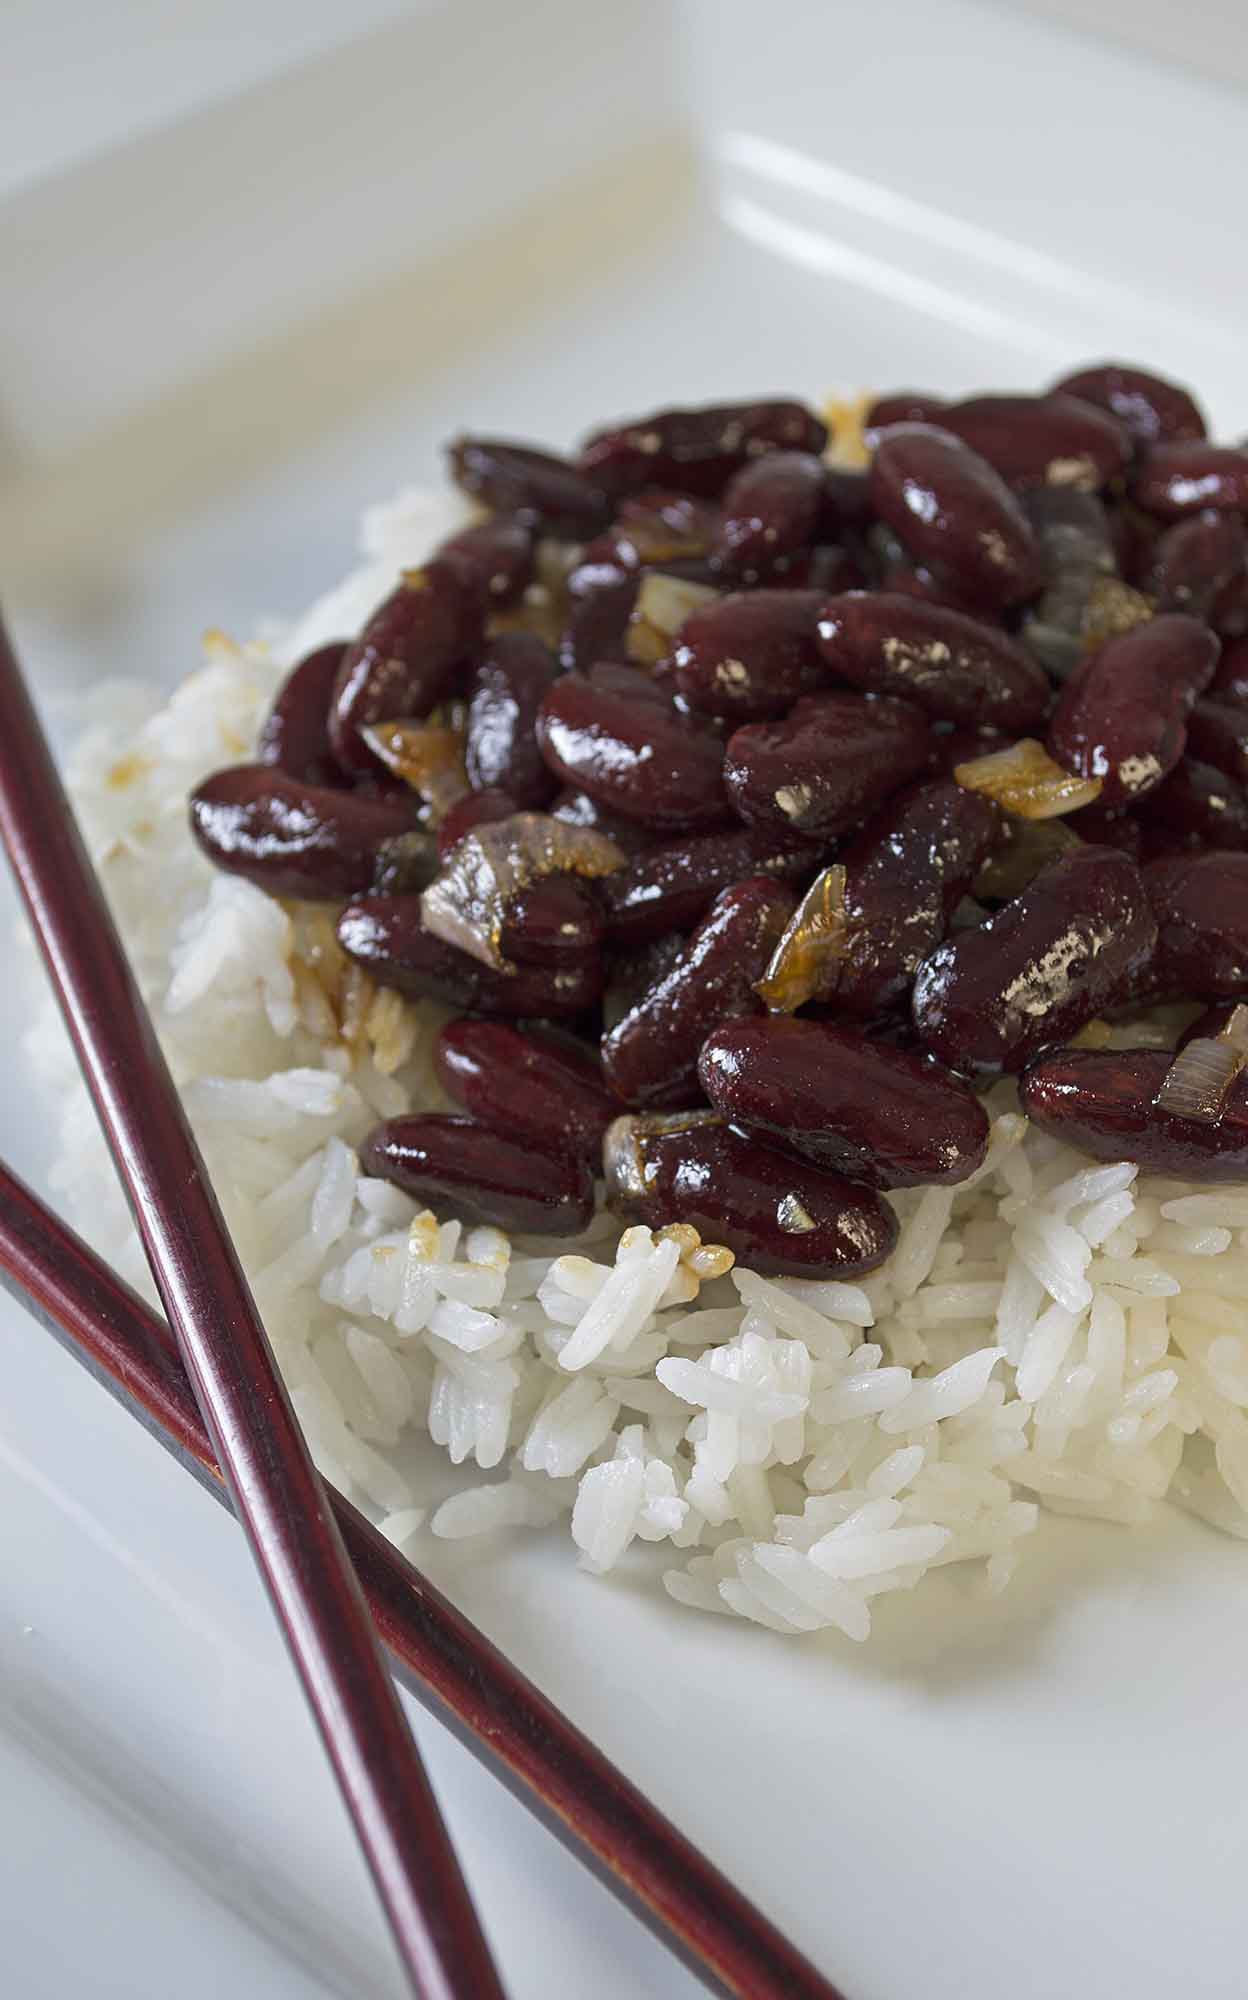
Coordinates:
1052	1333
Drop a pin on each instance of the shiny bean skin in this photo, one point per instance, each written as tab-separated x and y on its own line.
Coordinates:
1229	685
555	921
578	809
501	751
904	406
776	1214
878	1114
697	451
295	733
1108	826
955	668
1217	733
494	560
1153	410
953	511
833	759
464	1169
1121	715
1197	806
536	487
771	508
1102	1101
385	935
1173	480
1051	440
750	655
624	754
1200	902
1194	560
402	661
538	1089
474	809
650	1058
294	839
1063	951
671	886
905	875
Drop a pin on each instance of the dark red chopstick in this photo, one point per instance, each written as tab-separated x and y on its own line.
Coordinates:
450	1666
276	1490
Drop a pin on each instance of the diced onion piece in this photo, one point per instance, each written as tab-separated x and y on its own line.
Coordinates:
846	419
1028	846
804	963
1197	1081
1112	607
1025	780
1092	1035
663	604
679	530
467	905
427	756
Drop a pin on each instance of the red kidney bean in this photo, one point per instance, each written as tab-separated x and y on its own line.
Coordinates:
501	751
904	406
1217	733
847	503
651	1057
751	654
670	886
905	875
553	921
956	668
771	508
1229	615
293	839
1153	410
1197	806
1172	480
634	970
602	591
539	1089
1229	685
1102	1101
878	1114
578	809
953	511
827	566
1194	560
402	661
1106	826
1051	440
697	451
629	757
538	488
385	935
1120	716
834	758
295	733
1061	952
452	1163
1200	902
493	559
775	1213
474	809
633	683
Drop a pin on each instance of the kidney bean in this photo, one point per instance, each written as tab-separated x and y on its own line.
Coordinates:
474	809
1153	410
905	875
553	921
630	758
834	758
1051	440
454	1164
539	1089
402	661
775	1213
1173	480
651	1056
697	451
904	406
1194	560
954	667
1102	1101
633	683
493	559
295	733
751	654
633	971
670	886
578	809
501	751
1229	685
1229	615
1200	902
878	1114
1109	826
386	936
1120	716
847	503
1039	968
770	508
1217	733
294	839
1197	806
536	487
953	511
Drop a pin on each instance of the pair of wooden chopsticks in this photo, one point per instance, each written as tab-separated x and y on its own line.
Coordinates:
243	1437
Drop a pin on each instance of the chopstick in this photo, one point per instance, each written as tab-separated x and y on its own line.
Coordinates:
277	1493
451	1667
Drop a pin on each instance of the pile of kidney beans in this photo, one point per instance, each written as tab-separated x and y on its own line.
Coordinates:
1067	567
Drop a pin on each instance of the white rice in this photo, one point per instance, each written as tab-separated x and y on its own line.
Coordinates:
1054	1332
